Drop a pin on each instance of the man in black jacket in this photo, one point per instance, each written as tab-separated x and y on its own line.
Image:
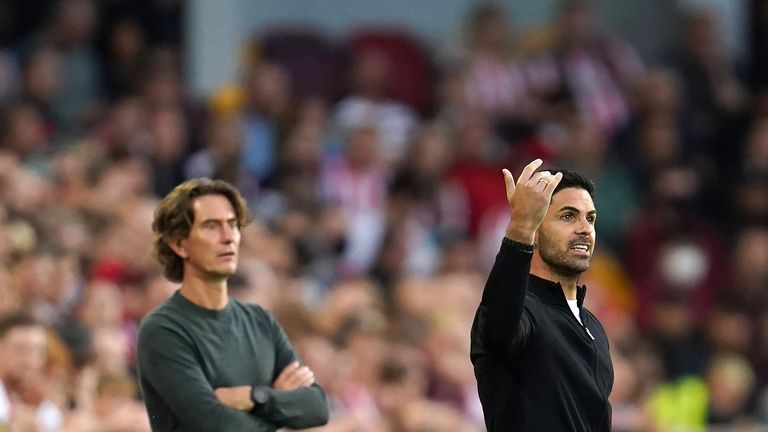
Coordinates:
541	359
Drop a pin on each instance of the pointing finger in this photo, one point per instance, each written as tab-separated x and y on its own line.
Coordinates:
509	183
528	171
553	183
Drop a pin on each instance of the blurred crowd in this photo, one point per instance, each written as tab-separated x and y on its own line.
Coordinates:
373	163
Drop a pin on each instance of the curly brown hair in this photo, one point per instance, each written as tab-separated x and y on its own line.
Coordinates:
174	217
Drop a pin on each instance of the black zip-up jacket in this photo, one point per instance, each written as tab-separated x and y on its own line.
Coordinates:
537	368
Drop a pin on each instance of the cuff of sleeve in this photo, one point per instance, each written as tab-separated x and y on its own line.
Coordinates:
515	249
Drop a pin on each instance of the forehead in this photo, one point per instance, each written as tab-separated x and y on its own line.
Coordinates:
572	197
212	207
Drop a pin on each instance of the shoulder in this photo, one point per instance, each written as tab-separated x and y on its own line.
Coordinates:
534	310
242	307
159	314
252	312
259	319
160	333
591	316
532	298
593	320
164	317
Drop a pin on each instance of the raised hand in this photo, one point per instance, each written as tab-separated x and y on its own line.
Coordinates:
294	377
528	200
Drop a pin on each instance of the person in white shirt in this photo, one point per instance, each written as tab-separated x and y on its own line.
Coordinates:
23	343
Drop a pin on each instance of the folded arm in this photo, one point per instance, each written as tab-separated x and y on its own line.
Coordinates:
168	363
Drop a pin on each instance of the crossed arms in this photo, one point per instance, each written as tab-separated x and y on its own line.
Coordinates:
169	363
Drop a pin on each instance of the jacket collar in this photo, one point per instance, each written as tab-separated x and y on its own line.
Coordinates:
552	292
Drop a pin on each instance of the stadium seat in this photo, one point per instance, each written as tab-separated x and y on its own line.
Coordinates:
411	84
313	61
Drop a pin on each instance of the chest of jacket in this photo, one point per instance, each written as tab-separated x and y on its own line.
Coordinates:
572	358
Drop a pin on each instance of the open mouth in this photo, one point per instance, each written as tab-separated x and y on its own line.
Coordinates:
581	247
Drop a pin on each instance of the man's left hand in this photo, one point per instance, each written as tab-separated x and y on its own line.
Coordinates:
238	397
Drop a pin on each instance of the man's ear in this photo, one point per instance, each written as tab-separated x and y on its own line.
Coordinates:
178	246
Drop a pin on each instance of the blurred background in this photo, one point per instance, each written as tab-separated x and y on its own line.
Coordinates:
368	138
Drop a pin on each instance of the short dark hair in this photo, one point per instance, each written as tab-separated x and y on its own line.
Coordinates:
15	320
174	217
573	180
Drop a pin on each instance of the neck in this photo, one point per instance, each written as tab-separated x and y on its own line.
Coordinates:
208	294
545	271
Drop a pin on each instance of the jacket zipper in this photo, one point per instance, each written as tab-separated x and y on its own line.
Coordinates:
594	362
583	327
594	349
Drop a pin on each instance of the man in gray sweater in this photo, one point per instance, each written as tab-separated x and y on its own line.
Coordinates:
208	362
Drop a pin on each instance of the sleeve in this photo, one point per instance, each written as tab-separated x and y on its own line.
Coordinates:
167	361
502	323
296	409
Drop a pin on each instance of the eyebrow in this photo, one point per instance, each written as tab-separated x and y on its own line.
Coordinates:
575	210
205	221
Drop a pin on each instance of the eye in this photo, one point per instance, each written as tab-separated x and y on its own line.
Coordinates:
591	219
567	217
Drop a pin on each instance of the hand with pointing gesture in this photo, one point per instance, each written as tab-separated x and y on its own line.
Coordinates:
528	200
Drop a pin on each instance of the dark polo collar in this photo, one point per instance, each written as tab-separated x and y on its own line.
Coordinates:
552	292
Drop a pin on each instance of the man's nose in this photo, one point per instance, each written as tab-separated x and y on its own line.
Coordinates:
227	234
584	226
